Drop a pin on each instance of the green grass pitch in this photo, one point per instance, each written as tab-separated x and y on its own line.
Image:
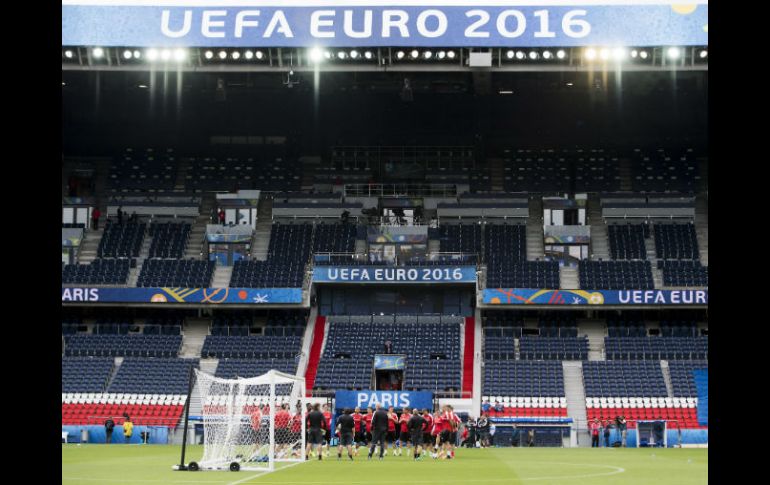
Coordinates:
145	465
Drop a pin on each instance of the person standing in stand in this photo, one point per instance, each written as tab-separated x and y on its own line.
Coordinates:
95	215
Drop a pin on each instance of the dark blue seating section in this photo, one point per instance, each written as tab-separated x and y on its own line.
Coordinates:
85	374
524	378
268	172
678	328
558	324
627	241
664	170
682	379
506	241
656	348
334	238
627	324
503	273
615	275
288	253
501	318
432	350
153	376
536	171
121	240
684	273
676	241
187	273
290	322
146	170
113	325
232	368
623	379
460	238
82	345
251	347
550	348
165	323
99	272
234	323
596	170
500	343
169	239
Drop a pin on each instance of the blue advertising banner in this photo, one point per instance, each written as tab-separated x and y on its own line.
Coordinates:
397	399
389	362
401	274
524	296
213	296
370	23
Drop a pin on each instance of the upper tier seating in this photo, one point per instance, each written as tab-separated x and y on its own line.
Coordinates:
676	241
123	345
620	378
627	240
85	374
615	275
176	273
169	239
121	240
153	376
99	272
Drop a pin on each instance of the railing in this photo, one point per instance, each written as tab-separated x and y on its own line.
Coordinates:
432	259
400	190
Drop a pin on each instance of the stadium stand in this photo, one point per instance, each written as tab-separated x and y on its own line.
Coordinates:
615	275
121	240
83	345
176	273
169	239
148	170
99	272
627	241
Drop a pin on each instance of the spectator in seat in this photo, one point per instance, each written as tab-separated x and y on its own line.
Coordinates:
95	215
594	427
388	347
109	426
621	424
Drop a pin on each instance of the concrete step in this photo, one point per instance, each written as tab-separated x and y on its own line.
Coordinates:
595	331
667	377
568	278
195	331
222	275
574	391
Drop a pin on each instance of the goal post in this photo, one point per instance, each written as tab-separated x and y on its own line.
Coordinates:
250	423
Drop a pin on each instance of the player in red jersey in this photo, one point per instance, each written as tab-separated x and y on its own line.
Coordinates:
328	416
358	431
368	425
403	440
438	424
392	422
282	436
427	429
454	425
295	425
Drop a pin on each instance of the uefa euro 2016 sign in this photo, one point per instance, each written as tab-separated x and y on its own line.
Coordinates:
526	296
388	274
371	23
397	399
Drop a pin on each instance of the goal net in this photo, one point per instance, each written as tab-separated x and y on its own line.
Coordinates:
253	423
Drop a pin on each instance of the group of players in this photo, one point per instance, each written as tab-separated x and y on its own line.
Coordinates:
419	429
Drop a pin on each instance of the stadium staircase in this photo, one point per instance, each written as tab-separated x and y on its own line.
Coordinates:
702	227
600	244
535	247
221	277
115	367
195	331
260	241
667	377
307	340
196	241
468	356
87	251
576	398
595	331
568	278
652	257
316	348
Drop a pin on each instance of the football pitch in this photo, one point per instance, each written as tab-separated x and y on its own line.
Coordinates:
138	464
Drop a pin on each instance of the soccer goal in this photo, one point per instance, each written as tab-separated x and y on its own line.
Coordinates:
249	423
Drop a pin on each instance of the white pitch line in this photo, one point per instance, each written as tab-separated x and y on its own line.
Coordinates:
266	473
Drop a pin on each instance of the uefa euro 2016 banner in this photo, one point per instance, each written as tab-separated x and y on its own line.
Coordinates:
519	296
370	23
394	274
213	296
397	399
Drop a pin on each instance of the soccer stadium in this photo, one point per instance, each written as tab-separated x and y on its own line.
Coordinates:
384	241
